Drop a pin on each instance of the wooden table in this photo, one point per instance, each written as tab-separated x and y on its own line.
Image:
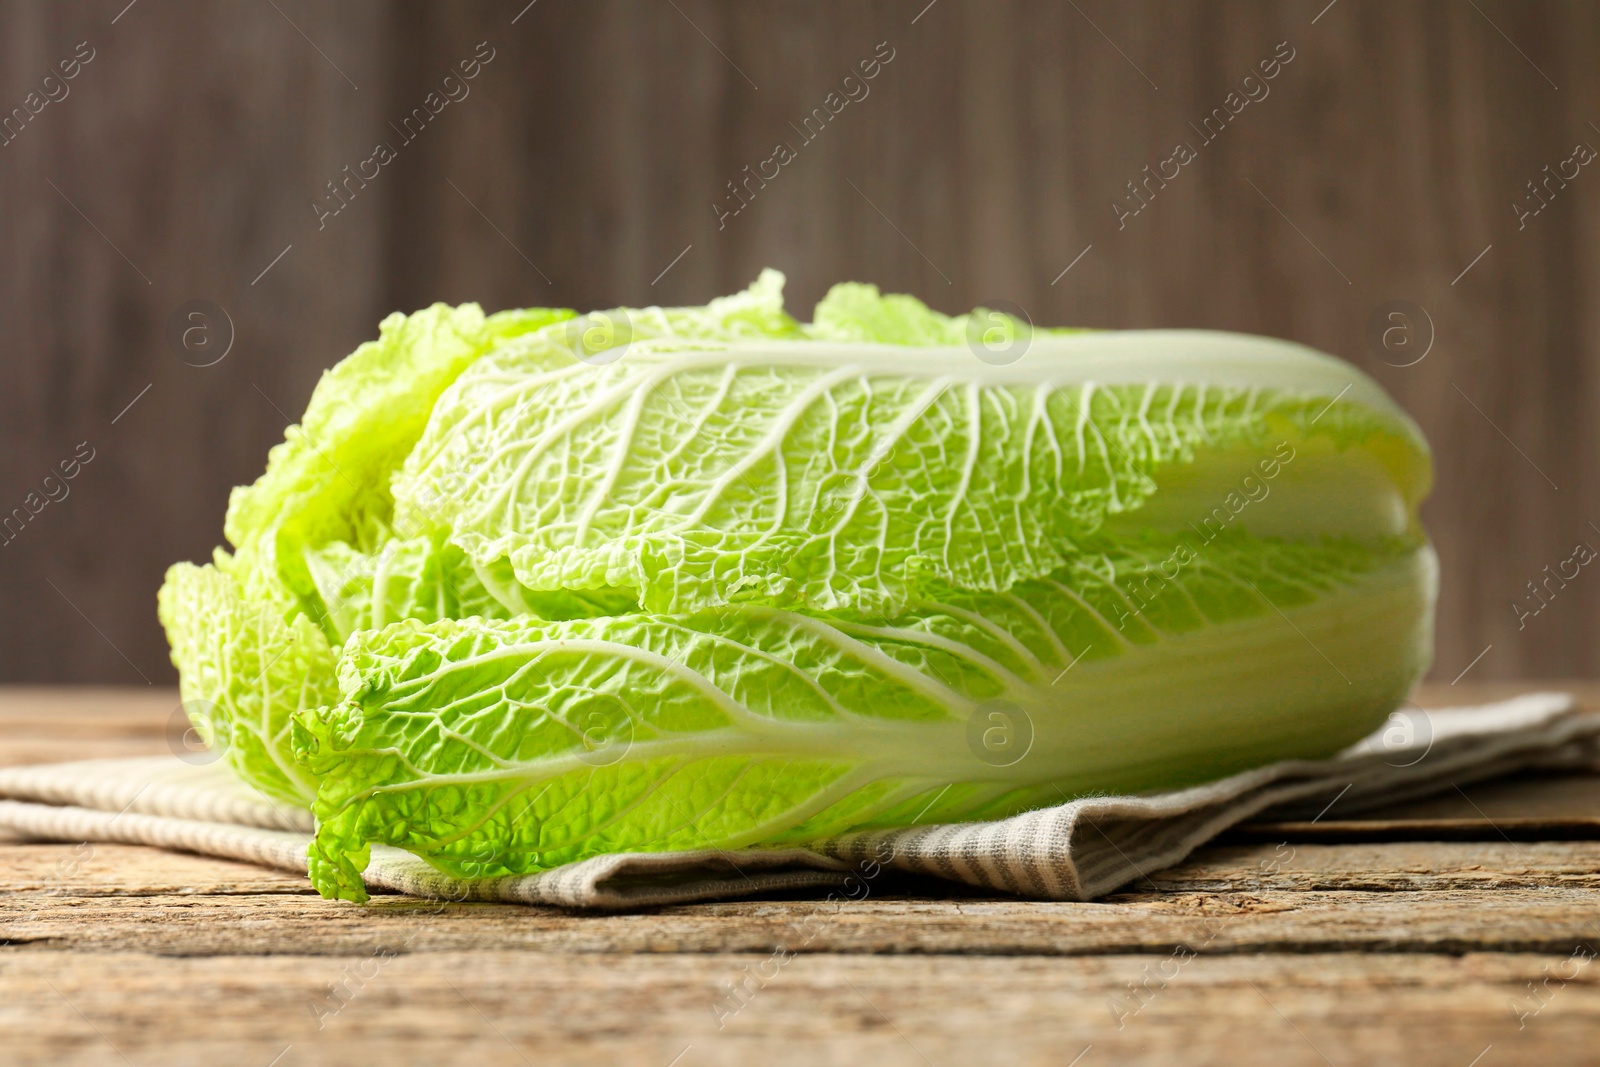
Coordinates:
1456	931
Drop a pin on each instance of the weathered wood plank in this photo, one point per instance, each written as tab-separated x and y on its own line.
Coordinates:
1531	794
502	1007
45	725
99	869
1458	920
1515	828
1382	867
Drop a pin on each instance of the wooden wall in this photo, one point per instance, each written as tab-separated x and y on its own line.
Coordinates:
187	155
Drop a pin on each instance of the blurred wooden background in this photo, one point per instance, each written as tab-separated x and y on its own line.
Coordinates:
186	155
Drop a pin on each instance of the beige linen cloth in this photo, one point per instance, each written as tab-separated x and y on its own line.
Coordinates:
1078	850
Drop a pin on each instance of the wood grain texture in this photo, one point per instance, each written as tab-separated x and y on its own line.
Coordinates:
44	724
496	1007
1378	919
191	145
1272	952
592	149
